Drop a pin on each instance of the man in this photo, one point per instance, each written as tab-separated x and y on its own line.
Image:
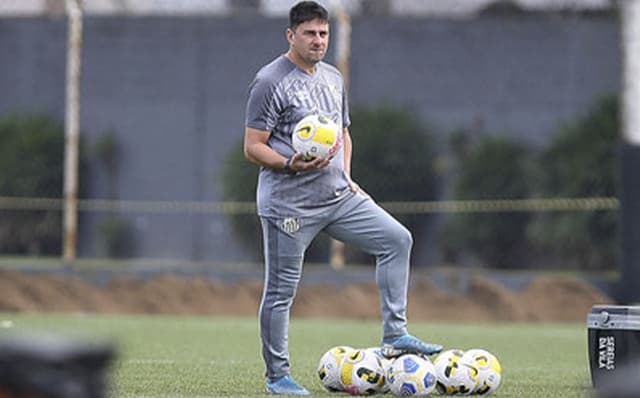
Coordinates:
297	199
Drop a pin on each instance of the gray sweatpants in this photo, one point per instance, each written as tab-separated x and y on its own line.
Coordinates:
358	221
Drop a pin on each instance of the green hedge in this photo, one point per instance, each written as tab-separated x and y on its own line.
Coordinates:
31	165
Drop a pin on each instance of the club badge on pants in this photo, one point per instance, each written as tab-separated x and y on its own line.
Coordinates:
290	225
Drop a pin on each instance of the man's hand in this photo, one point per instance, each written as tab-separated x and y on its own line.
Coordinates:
354	187
298	164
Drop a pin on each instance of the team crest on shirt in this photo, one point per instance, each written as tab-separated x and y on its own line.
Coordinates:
290	225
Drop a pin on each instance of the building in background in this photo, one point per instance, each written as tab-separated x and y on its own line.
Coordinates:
169	78
415	8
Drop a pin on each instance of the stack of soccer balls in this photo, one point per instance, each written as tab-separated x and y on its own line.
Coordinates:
366	372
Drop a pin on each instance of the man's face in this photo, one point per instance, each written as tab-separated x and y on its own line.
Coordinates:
310	40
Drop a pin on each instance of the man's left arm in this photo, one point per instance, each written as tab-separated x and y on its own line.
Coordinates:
347	146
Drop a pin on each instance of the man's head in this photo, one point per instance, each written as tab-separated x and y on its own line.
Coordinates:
306	11
308	33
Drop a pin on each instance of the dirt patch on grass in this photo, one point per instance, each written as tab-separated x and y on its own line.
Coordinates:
545	299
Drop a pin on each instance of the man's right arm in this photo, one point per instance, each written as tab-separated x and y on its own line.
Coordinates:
257	151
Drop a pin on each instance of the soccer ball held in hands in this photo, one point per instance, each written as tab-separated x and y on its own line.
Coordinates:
316	136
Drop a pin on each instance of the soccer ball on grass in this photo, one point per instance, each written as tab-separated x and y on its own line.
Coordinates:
362	373
316	136
411	375
329	367
489	370
386	362
454	375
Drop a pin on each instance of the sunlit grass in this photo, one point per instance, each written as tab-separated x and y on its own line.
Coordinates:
163	356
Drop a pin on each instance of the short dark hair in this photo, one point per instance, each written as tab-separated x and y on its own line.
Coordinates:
306	11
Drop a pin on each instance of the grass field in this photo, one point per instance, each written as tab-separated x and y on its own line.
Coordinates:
219	357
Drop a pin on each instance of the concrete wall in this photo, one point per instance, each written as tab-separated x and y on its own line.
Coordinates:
173	91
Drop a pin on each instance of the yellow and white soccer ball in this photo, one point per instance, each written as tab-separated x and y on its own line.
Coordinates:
386	363
316	136
411	375
329	367
489	370
362	373
454	375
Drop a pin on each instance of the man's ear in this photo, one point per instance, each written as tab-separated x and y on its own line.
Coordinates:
289	34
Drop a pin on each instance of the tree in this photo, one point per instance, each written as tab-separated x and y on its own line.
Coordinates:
31	159
494	167
117	240
581	162
395	155
239	182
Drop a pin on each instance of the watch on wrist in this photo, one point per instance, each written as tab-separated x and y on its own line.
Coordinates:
287	166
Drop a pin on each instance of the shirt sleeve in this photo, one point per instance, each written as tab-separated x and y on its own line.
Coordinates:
263	106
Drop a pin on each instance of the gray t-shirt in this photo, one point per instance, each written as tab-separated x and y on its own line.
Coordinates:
281	95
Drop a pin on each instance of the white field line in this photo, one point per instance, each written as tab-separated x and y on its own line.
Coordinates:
166	396
150	361
157	361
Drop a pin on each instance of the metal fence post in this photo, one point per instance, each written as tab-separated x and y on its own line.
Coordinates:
630	154
72	130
